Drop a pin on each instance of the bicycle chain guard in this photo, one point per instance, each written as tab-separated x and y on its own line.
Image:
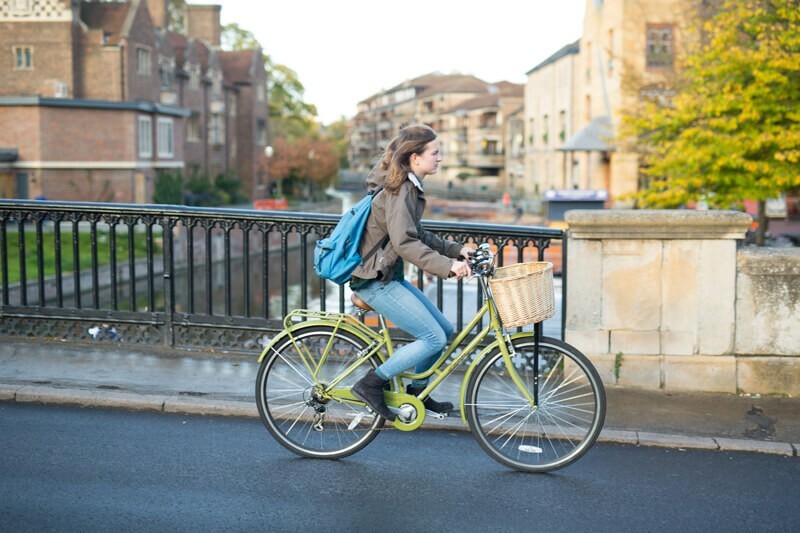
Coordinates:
409	409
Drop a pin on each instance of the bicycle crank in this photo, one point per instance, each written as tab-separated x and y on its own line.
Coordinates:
409	410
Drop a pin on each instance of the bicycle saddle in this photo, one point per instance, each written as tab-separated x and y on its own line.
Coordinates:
356	300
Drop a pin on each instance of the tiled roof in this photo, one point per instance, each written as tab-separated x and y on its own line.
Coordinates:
106	16
484	100
237	66
572	48
202	52
508	88
179	43
454	84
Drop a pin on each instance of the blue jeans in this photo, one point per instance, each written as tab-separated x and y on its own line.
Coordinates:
403	304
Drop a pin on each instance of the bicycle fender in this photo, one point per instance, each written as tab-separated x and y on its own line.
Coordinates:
474	364
288	332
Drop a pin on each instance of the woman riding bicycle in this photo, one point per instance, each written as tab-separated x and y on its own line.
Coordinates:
394	225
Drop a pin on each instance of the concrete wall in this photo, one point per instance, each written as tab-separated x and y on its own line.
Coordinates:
665	299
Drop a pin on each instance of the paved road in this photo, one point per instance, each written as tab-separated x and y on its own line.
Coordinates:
82	469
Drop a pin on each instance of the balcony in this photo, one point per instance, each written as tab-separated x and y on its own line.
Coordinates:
485	160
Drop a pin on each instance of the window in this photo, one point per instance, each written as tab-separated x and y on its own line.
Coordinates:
166	140
260	92
145	137
61	90
167	68
588	61
659	45
546	129
261	134
143	61
216	129
193	129
194	77
532	134
216	83
23	58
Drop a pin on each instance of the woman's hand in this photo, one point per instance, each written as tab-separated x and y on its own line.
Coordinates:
466	252
460	269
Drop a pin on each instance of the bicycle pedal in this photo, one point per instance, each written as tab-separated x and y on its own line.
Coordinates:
434	414
357	420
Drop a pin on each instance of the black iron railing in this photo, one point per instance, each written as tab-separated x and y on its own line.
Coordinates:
183	277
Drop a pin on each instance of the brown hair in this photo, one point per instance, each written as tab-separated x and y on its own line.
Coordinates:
395	162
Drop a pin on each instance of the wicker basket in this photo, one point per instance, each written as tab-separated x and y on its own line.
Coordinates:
523	293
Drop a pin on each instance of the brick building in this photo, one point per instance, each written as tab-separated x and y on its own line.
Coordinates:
97	97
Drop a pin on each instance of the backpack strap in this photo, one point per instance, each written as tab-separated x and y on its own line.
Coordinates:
383	241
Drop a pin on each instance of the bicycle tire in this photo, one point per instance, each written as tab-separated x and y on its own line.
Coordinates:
559	430
284	396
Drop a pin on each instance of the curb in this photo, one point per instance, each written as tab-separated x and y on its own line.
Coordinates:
193	405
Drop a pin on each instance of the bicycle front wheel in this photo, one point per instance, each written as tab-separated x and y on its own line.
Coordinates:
291	404
555	432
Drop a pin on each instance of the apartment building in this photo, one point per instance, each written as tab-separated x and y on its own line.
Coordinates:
97	97
467	113
573	99
549	120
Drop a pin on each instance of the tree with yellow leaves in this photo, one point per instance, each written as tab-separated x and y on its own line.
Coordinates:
731	130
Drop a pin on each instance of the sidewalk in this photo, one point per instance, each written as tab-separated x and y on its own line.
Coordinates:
142	378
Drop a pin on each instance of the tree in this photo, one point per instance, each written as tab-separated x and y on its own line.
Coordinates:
303	156
336	132
731	131
289	115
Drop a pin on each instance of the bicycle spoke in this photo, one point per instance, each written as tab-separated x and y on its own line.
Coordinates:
550	435
294	398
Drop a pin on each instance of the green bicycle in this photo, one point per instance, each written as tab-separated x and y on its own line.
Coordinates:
533	403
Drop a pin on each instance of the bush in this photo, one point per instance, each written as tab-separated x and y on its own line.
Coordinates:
168	188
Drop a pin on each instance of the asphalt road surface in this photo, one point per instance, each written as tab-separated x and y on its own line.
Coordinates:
72	469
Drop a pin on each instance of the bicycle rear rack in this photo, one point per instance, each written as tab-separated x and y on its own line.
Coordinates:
338	319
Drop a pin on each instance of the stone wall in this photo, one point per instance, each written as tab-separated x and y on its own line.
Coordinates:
666	299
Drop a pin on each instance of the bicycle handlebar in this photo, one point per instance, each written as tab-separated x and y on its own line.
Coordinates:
482	261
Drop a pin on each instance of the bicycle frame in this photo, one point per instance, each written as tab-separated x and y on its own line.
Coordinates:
376	341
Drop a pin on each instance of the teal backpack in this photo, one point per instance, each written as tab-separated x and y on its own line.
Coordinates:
336	257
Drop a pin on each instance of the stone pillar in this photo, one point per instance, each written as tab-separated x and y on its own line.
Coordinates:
767	342
651	295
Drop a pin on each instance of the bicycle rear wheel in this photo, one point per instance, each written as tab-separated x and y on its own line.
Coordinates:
289	400
551	435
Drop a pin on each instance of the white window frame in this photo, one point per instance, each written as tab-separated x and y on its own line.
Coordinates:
216	129
194	128
144	61
23	52
166	137
61	90
145	135
194	77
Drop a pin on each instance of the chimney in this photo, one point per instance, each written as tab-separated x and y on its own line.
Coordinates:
158	13
202	22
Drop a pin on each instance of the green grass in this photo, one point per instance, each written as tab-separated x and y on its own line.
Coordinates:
67	265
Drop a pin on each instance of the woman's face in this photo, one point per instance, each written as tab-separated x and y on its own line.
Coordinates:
428	161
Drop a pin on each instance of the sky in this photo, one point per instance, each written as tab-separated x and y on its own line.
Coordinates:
348	50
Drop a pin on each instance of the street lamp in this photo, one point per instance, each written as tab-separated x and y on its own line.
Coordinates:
268	151
311	156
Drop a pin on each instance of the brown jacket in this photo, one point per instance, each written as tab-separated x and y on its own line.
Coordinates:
399	216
